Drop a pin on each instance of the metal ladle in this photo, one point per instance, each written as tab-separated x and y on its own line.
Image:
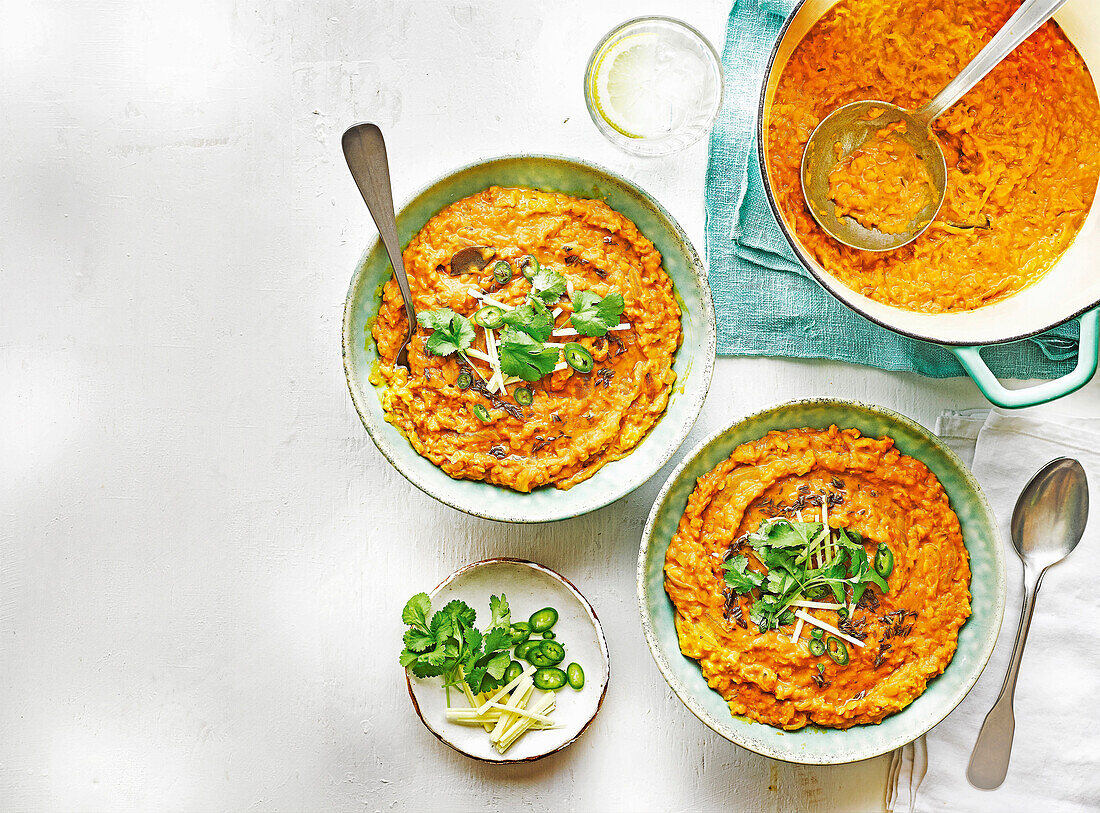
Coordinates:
1047	523
853	124
365	151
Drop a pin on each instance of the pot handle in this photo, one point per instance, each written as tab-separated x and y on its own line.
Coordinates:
1088	348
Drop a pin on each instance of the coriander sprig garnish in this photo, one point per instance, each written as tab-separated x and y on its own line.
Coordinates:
523	350
450	645
451	333
804	560
593	315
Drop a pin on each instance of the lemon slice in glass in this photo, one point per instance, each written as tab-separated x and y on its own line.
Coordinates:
653	85
626	77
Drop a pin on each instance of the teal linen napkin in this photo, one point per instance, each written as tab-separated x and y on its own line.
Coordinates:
766	302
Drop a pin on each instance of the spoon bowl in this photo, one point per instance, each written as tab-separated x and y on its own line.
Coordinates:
850	127
1050	516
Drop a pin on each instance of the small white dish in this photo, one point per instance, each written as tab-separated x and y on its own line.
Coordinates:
529	587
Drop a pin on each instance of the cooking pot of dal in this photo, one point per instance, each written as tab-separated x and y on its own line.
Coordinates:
1014	251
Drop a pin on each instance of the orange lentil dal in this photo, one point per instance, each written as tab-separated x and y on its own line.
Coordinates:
576	423
910	633
1022	147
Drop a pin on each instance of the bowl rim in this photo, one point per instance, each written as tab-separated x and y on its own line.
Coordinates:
601	640
830	283
705	356
684	693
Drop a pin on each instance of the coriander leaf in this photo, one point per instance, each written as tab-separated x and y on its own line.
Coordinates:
780	558
407	658
484	669
498	665
857	592
416	610
739	577
442	626
496	639
435	320
472	639
502	614
548	285
592	316
780	582
425	669
532	318
452	331
418	640
525	358
435	658
787	534
462	612
847	539
873	575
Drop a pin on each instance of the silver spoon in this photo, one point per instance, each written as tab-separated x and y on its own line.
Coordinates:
1047	524
365	151
853	124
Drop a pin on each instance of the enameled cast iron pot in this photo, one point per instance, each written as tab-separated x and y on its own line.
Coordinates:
1070	289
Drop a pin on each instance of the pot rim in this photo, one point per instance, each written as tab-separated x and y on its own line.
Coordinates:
821	277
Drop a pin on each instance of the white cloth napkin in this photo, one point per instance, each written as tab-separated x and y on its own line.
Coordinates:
1056	750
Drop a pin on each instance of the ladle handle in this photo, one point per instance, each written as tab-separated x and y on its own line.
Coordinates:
365	151
993	749
1028	17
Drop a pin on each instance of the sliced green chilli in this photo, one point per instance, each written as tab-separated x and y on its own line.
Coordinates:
464	380
523	396
543	619
884	561
552	651
514	670
502	272
549	635
521	631
528	266
481	413
817	647
550	678
817	632
837	650
489	316
578	357
536	658
575	675
524	649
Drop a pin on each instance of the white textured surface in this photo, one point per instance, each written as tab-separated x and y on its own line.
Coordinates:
202	556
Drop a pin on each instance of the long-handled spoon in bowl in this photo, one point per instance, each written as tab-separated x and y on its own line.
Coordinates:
365	151
1047	523
853	124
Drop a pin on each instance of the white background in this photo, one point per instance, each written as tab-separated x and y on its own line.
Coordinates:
202	555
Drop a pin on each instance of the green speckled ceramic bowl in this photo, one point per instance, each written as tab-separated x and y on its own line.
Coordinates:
812	745
694	361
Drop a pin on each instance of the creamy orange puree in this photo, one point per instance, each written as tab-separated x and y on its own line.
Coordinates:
1022	147
577	422
910	633
882	184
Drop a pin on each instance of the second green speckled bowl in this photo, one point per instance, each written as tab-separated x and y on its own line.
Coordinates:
812	745
693	365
